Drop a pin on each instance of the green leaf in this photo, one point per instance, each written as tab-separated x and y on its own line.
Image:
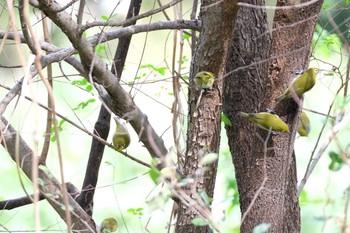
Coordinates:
131	210
336	161
81	82
261	228
104	18
335	157
183	61
225	119
329	74
160	70
333	166
89	88
100	48
200	222
154	174
82	105
155	162
60	124
186	36
108	163
303	196
232	194
347	2
137	211
325	6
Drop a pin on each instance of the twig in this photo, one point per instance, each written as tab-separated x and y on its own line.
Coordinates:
80	14
85	131
164	12
319	113
130	21
15	144
68	5
47	140
300	5
346	208
333	132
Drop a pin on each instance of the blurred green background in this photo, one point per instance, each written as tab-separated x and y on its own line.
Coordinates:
125	190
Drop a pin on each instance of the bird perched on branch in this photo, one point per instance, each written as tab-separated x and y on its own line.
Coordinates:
109	225
203	81
121	137
266	121
303	125
300	85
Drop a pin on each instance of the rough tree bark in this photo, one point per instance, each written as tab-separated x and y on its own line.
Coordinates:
203	135
267	178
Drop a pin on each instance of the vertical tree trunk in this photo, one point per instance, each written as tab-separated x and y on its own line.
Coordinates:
292	36
203	135
266	178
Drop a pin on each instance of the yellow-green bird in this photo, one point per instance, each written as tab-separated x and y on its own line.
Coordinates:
300	85
266	121
121	137
204	80
303	125
109	225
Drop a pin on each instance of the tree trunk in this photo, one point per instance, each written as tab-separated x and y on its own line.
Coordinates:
203	135
266	178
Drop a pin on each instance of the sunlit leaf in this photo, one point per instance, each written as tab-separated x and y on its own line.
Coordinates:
89	88
82	105
325	6
154	174
104	18
225	119
186	36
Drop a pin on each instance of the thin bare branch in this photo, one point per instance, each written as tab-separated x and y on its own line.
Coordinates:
80	13
50	187
296	6
47	140
331	135
130	21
